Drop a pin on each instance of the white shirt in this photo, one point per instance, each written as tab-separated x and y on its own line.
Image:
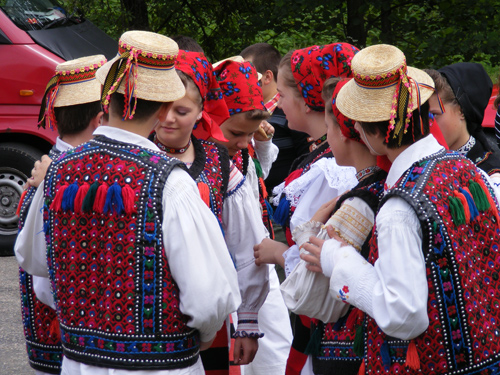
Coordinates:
197	254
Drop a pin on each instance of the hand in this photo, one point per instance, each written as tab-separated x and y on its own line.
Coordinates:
245	349
325	211
269	252
333	234
39	171
204	345
265	132
313	259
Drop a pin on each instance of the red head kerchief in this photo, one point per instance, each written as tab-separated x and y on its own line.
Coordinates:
240	86
312	66
346	124
196	66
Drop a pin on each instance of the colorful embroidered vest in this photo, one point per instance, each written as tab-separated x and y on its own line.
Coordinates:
241	160
117	303
210	170
341	348
41	328
460	227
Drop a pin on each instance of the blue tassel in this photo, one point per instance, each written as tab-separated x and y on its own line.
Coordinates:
114	200
68	201
340	322
270	210
472	205
386	355
282	212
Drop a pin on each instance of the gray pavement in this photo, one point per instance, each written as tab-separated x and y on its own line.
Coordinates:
13	357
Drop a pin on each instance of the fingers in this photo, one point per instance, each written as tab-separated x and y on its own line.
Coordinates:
267	128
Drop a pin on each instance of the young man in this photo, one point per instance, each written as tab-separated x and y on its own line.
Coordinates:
290	143
141	275
430	286
74	108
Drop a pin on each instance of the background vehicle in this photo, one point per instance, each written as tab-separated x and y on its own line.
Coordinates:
35	36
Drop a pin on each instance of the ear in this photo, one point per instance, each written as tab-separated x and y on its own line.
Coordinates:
162	113
308	109
267	78
96	121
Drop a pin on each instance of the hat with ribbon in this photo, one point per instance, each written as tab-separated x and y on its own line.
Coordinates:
196	66
74	83
240	86
143	69
312	66
384	88
345	123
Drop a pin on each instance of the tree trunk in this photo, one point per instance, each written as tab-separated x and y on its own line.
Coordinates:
137	14
356	33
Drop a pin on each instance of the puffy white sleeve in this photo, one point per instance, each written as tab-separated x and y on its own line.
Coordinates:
30	247
267	153
243	229
198	257
393	291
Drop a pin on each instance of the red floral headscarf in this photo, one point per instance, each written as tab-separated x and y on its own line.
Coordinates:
196	66
312	66
240	86
346	124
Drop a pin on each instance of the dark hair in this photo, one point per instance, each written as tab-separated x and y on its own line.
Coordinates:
327	93
187	43
189	83
414	134
264	56
286	72
442	86
144	110
75	119
257	114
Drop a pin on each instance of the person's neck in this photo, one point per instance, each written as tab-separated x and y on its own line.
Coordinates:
78	139
316	124
362	158
142	128
393	153
461	140
271	92
187	156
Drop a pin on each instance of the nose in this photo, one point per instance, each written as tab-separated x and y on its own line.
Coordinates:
242	142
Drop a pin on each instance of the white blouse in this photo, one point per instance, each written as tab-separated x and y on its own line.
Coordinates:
197	254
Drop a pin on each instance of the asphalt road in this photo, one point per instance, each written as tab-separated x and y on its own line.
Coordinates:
13	357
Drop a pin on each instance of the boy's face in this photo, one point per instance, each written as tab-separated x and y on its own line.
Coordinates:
239	131
452	122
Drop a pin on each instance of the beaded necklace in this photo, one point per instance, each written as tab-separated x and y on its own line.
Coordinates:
171	150
317	142
366	172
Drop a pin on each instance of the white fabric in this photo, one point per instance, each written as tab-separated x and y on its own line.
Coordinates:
267	153
274	321
196	252
393	291
243	229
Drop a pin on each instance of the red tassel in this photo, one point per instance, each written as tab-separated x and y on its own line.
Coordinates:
55	330
463	200
100	198
362	367
353	318
263	188
21	200
412	359
80	196
56	203
204	193
128	197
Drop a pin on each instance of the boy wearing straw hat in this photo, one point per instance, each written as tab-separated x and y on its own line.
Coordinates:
430	288
140	270
75	110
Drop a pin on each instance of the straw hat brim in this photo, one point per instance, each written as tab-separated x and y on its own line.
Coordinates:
78	93
373	105
236	58
152	84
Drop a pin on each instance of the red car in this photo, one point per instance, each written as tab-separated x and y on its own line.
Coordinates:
35	36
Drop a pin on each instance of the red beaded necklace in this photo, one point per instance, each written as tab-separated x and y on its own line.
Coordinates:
171	150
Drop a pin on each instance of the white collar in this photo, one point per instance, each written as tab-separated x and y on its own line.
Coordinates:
125	136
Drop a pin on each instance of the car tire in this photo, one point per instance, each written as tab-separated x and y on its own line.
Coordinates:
17	161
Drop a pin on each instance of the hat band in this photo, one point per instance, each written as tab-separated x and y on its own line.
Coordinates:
147	58
75	78
381	81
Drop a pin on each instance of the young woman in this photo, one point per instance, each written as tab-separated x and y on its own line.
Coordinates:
225	191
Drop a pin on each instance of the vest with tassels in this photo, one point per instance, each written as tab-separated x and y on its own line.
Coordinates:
116	300
460	227
41	328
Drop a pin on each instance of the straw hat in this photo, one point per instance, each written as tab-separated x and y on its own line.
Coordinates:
373	94
238	59
76	81
144	69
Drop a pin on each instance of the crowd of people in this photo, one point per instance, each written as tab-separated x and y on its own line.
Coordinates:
149	237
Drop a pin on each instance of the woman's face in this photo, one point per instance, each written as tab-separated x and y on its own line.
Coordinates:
239	131
293	105
451	122
176	130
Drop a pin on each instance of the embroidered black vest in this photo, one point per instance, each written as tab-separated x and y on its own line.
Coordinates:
460	226
337	353
117	303
41	331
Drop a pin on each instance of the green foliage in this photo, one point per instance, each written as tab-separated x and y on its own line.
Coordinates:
432	33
